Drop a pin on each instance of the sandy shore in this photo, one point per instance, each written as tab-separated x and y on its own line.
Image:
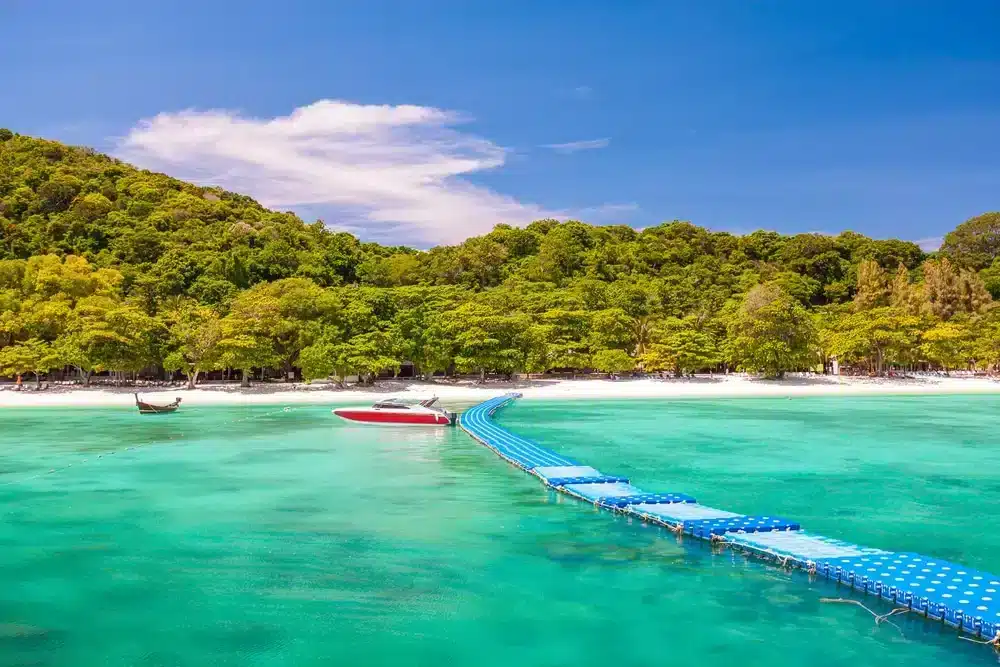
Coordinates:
465	393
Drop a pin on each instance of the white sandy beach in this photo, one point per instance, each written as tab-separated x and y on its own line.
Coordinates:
466	393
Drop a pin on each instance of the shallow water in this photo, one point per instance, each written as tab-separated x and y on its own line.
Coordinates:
270	536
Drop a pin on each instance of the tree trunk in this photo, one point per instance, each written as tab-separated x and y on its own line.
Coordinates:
84	376
678	372
244	378
193	379
781	375
38	379
482	376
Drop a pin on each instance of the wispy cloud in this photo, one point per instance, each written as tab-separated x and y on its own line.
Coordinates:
388	171
583	92
930	244
575	146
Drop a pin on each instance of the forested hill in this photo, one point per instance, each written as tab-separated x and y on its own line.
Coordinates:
104	267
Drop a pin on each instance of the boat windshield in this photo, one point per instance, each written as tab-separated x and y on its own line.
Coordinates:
405	403
395	405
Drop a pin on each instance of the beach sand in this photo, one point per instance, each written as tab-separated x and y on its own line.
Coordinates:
467	392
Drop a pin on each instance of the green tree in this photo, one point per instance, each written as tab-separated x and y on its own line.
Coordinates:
195	334
247	334
903	294
423	331
486	340
875	338
318	361
986	340
991	278
942	288
32	356
973	296
770	333
370	353
872	288
948	344
126	340
565	334
613	361
681	347
975	243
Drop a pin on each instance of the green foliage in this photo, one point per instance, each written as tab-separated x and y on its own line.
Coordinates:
975	243
872	286
990	277
104	267
679	345
32	356
318	361
873	338
771	333
949	344
613	361
195	333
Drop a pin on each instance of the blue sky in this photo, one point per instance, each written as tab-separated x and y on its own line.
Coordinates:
445	116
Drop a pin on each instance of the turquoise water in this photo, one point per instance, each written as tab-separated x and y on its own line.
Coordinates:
270	536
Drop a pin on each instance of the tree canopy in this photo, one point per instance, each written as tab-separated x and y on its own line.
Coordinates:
104	267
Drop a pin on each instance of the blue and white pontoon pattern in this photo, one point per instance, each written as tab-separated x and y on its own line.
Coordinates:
958	596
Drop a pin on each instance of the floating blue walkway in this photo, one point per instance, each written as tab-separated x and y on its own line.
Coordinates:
946	592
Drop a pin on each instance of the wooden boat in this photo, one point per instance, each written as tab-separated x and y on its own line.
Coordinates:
150	409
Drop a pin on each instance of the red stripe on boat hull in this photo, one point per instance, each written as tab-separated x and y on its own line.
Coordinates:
380	417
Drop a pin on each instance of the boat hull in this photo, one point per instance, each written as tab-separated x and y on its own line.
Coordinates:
390	417
157	411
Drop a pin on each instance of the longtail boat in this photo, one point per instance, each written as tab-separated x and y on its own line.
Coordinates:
150	409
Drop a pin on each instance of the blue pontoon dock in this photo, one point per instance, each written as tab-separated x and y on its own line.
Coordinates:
948	593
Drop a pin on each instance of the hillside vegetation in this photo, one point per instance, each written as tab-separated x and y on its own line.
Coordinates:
107	268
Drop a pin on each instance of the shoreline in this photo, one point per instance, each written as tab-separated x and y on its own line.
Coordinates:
707	387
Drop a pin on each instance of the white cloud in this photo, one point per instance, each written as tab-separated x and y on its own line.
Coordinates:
583	92
930	244
574	146
393	171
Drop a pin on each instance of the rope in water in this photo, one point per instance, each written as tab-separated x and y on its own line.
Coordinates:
879	618
995	642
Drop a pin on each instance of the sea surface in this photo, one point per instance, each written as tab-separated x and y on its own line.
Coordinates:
259	536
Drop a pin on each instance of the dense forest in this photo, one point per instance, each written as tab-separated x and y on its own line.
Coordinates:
105	268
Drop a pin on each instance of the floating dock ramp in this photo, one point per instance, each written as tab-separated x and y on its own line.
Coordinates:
948	593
